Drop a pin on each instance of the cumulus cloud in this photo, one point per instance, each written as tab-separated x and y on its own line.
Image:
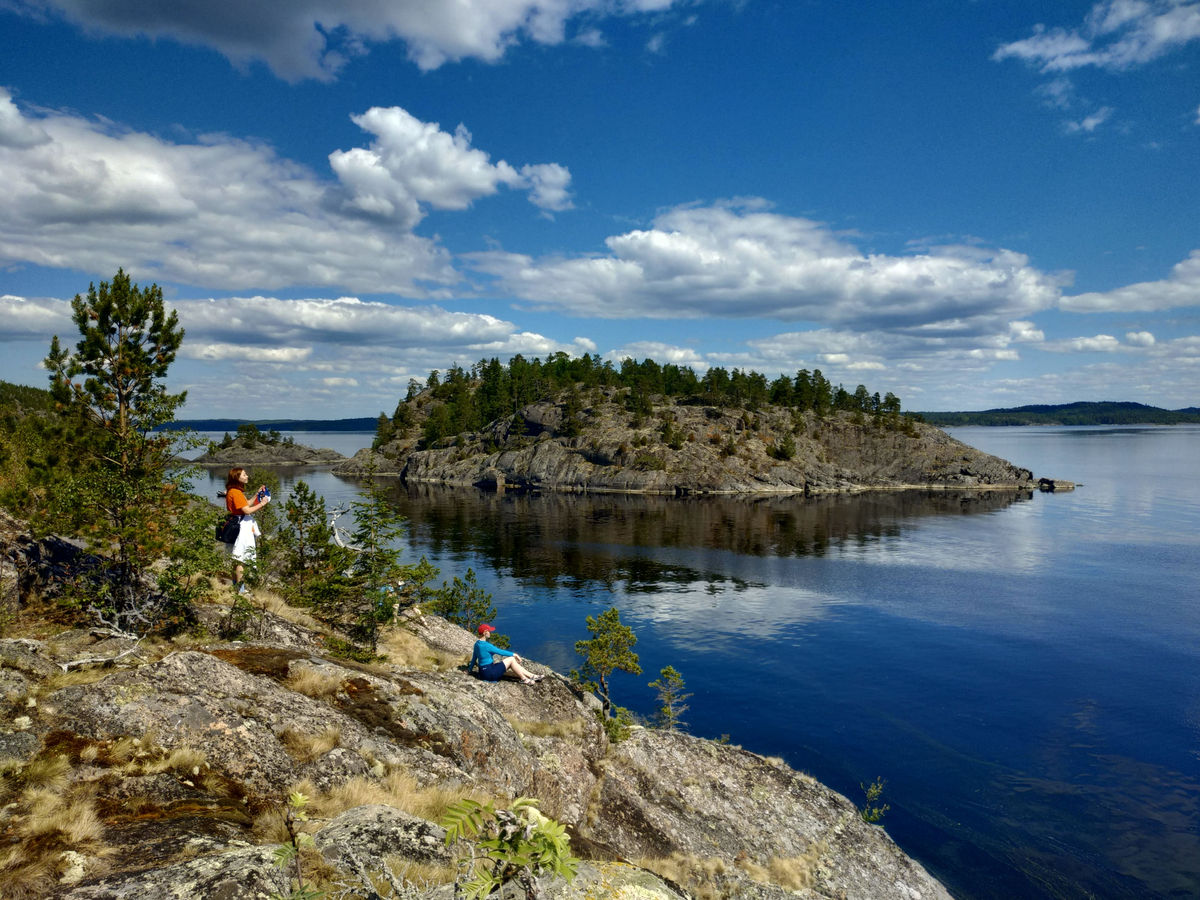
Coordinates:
15	131
1140	338
410	163
316	38
741	261
225	213
1115	35
1181	288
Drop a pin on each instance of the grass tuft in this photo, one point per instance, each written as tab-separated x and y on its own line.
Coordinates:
575	728
306	748
312	682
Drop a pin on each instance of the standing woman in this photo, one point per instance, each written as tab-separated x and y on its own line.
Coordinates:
243	550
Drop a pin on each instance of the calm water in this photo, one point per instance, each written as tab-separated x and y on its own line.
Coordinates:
1022	670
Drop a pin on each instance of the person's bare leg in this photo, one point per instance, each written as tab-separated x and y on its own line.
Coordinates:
511	665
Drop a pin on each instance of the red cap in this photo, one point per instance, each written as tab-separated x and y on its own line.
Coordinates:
485	628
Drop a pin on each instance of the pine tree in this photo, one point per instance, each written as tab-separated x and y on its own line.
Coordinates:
671	697
307	541
120	494
610	649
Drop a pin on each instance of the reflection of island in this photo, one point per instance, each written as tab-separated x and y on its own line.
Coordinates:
556	538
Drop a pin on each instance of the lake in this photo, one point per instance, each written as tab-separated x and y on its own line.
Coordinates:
1023	670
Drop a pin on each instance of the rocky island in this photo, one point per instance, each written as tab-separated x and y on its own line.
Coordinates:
161	769
251	447
682	448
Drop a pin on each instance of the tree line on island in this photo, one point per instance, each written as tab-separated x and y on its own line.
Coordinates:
467	400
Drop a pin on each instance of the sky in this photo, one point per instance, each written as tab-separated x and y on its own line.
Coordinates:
969	203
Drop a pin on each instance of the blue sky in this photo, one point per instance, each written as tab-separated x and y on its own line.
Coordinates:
969	203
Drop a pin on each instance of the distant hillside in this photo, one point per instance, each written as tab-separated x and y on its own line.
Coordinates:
366	423
1107	413
21	398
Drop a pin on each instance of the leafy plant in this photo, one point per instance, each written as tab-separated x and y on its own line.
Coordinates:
287	856
505	845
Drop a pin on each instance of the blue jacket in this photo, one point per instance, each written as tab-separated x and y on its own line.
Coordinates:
482	654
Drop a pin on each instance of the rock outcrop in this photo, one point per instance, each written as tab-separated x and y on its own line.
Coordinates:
179	755
688	449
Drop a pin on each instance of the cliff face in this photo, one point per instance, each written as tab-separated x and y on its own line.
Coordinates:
178	755
693	449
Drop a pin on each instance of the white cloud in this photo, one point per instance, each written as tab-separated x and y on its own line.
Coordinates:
743	262
1090	123
1115	35
1140	338
1181	288
1025	333
1101	343
661	353
27	318
223	352
226	213
15	131
315	38
548	185
335	324
411	163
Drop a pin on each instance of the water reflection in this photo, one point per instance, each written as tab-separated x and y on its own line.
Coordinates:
557	539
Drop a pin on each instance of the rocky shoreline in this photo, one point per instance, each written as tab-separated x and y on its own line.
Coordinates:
186	750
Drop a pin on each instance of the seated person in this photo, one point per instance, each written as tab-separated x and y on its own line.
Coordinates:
491	663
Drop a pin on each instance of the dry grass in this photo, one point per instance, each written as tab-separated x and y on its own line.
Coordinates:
704	877
124	749
51	773
698	875
60	680
312	682
421	875
575	728
396	789
405	649
46	822
73	816
271	602
796	872
183	760
306	748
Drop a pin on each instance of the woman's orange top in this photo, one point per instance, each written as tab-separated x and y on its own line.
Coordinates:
235	501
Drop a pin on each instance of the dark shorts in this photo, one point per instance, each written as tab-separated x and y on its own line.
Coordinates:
494	672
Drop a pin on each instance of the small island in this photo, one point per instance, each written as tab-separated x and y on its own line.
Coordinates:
251	447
